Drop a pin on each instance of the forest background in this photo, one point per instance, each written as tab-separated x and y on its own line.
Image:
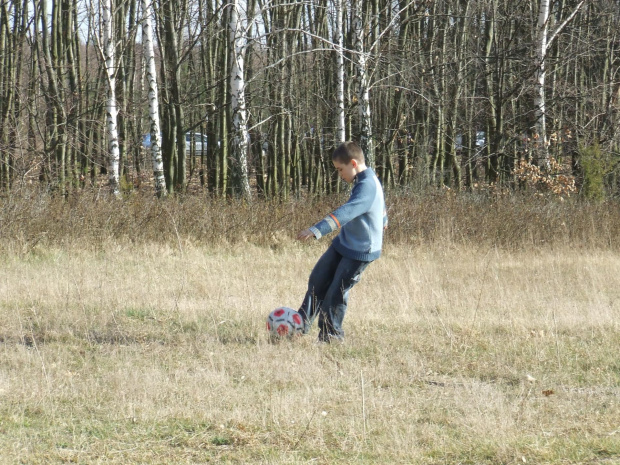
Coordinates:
458	94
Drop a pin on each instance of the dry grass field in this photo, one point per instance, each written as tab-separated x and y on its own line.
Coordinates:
148	354
138	352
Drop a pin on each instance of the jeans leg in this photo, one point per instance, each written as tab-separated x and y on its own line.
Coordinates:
334	308
320	279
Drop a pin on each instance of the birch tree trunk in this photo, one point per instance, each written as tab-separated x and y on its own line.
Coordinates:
363	98
111	111
339	43
540	126
542	45
151	77
240	180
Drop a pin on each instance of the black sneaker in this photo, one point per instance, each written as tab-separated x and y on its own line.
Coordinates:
330	339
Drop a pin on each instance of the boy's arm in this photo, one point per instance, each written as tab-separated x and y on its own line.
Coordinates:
358	204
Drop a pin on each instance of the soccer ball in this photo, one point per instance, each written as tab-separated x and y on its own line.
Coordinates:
284	322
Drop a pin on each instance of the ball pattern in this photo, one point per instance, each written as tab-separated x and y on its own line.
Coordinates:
284	322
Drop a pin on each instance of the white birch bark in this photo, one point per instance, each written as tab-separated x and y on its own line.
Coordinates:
542	46
339	41
363	98
111	110
151	76
237	89
539	98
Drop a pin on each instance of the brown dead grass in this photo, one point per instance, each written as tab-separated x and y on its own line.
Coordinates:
148	352
31	219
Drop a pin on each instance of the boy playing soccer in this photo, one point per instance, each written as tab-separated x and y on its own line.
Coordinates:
361	221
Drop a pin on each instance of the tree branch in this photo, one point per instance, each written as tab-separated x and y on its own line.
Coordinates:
563	25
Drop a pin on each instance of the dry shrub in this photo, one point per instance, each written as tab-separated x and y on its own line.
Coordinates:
555	180
507	221
32	218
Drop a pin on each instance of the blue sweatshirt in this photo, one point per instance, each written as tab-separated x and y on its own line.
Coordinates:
361	220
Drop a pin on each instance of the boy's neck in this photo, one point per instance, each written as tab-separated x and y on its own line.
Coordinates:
360	168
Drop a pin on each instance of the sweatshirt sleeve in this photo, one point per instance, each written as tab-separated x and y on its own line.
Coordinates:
359	203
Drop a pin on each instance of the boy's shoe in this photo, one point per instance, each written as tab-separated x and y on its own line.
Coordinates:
330	339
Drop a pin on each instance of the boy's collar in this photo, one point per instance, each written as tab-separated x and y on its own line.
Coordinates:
363	174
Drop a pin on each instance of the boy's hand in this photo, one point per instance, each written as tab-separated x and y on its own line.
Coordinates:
305	235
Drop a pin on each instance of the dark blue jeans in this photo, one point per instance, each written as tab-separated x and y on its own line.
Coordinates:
331	280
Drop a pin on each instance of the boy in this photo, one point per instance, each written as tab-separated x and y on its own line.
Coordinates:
361	221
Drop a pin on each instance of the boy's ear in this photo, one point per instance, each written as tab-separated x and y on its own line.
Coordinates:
354	162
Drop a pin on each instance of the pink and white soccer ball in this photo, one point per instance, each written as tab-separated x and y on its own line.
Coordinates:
284	322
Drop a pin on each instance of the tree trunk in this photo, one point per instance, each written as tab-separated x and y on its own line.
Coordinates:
153	97
363	99
540	128
339	49
111	111
56	114
239	172
542	46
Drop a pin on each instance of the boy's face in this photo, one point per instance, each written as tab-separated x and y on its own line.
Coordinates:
347	171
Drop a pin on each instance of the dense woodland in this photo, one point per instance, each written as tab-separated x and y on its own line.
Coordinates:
458	94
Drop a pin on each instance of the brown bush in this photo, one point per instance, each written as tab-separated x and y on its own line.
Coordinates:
30	218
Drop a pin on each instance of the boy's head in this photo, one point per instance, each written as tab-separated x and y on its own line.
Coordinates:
348	151
348	159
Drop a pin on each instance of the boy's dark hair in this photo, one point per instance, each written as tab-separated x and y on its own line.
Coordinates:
348	151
